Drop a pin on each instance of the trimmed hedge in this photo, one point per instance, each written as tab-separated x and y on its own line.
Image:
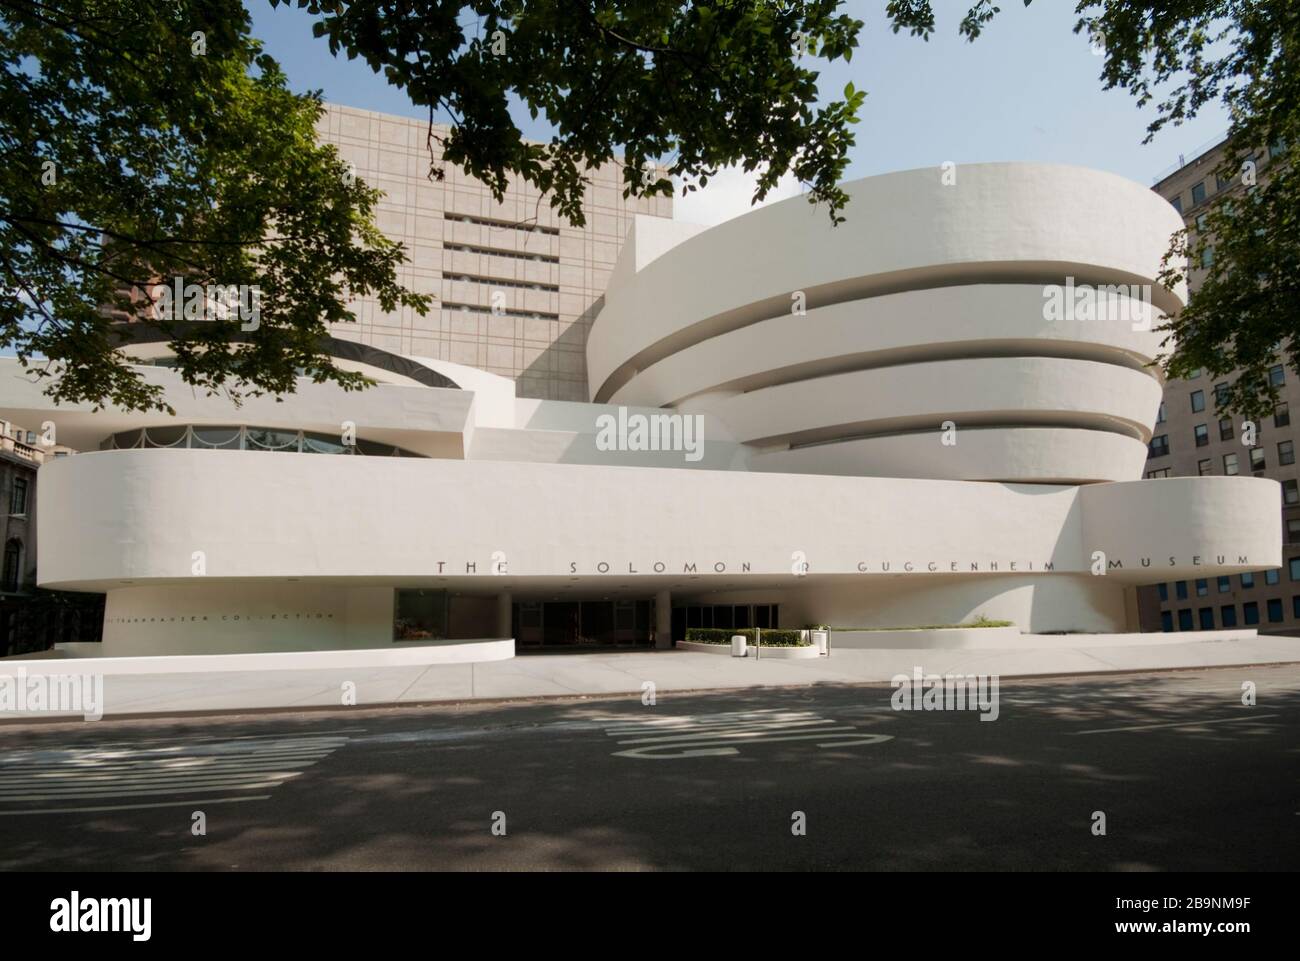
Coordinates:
723	635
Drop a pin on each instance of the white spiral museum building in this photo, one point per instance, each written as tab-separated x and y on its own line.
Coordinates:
936	411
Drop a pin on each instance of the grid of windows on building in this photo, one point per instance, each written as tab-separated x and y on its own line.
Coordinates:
1186	442
1274	609
516	286
730	615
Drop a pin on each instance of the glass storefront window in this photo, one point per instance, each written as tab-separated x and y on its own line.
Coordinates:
320	444
223	438
166	436
260	438
376	449
234	437
729	616
419	615
126	440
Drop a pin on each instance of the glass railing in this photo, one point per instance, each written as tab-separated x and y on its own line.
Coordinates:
240	437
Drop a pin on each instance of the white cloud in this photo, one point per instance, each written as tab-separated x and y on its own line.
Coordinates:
728	195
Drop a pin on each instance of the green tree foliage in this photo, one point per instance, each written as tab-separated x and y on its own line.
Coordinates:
149	141
145	141
706	85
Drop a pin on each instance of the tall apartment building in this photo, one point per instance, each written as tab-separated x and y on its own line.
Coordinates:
1193	437
544	276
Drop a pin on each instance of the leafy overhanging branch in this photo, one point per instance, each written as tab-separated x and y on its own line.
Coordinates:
708	85
130	157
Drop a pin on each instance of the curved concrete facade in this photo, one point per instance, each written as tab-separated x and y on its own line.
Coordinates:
139	515
995	392
272	527
934	308
924	443
1044	455
971	320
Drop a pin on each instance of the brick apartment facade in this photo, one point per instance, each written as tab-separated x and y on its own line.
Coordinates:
1192	437
464	247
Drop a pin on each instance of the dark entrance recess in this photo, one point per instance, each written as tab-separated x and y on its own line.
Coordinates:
560	623
590	625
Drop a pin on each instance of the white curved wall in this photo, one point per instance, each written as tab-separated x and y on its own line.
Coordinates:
202	618
1067	602
494	395
929	304
1042	455
964	321
1016	391
432	421
909	228
138	516
850	417
1199	519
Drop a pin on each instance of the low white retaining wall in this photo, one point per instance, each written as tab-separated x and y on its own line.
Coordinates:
766	652
1048	641
947	637
80	658
1010	638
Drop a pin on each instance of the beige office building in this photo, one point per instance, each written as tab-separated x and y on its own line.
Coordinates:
544	276
1192	437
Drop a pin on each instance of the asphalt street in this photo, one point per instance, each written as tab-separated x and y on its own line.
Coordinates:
1186	776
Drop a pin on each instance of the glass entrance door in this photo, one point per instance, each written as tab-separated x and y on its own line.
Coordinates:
560	623
589	624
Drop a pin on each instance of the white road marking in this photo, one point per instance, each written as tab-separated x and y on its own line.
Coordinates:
197	738
122	771
1152	727
135	807
722	735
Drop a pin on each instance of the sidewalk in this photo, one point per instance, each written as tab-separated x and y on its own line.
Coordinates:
625	673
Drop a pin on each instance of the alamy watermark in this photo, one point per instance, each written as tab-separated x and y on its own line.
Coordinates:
181	301
946	692
651	432
76	914
62	693
1123	303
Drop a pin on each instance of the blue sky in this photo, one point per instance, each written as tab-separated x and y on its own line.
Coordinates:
1028	89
